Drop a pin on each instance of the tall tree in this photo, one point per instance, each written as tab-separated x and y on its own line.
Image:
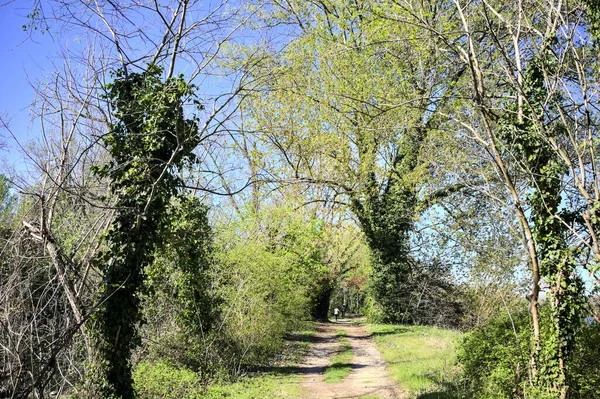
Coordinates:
68	213
347	108
149	142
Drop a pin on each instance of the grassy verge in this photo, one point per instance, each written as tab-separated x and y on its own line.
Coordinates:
421	359
265	385
340	364
161	380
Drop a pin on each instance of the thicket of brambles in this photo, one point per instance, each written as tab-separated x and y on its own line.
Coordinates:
204	178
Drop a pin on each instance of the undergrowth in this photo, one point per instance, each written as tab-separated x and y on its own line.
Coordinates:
160	378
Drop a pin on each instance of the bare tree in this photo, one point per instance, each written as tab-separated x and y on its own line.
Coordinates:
53	253
533	111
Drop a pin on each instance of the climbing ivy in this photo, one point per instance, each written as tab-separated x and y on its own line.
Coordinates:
529	138
593	17
149	140
182	264
387	221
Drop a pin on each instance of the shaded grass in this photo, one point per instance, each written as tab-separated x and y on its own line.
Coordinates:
421	359
340	365
162	380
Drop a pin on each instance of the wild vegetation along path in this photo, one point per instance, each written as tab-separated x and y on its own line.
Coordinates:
368	377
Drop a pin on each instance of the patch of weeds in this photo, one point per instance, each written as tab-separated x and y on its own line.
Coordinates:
160	380
341	364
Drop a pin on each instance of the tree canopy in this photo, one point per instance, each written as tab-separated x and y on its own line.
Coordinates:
204	177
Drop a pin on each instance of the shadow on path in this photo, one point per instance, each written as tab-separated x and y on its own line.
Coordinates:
368	375
303	370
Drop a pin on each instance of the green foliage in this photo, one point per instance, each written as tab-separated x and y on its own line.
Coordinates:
495	359
273	386
148	142
165	378
593	17
8	202
348	263
584	368
180	306
347	110
160	380
222	313
36	21
530	137
6	210
495	356
270	266
180	275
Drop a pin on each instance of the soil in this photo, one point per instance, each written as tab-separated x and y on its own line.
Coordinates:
368	376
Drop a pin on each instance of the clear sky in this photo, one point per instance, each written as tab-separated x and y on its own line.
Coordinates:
23	58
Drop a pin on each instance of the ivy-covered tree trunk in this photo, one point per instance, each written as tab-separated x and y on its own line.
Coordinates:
149	140
387	224
387	218
529	135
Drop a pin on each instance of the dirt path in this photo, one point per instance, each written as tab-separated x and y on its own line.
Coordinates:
368	378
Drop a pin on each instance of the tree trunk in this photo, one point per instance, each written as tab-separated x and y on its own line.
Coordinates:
321	306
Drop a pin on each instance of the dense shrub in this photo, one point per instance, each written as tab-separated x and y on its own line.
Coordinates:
180	304
161	380
269	265
219	305
584	379
495	358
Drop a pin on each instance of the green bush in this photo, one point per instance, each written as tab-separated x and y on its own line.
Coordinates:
584	381
269	264
159	380
221	306
495	359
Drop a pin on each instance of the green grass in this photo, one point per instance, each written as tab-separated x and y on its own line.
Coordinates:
276	386
421	359
340	365
161	380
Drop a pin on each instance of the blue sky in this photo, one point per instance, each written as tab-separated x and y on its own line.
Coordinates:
28	57
23	60
25	57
